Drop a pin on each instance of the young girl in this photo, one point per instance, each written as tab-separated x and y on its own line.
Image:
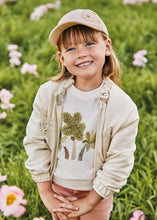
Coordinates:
81	135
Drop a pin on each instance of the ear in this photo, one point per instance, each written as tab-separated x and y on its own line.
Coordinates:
61	57
108	47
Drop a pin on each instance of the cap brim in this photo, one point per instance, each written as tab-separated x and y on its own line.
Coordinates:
55	33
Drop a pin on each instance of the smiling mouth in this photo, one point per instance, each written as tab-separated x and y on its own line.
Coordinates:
85	64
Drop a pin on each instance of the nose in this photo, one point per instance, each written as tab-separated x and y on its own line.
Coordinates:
81	52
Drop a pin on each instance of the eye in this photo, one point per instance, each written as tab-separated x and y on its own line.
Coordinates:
70	49
89	44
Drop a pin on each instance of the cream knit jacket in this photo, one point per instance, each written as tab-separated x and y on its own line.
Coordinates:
115	139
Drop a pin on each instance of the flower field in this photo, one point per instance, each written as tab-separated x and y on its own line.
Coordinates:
27	60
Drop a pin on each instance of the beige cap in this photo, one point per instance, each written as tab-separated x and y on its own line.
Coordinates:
79	16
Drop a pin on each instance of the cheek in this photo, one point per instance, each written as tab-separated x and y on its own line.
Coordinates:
69	60
65	62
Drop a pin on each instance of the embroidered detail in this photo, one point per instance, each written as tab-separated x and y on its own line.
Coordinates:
68	83
61	92
89	142
92	17
46	126
59	99
73	128
66	152
105	90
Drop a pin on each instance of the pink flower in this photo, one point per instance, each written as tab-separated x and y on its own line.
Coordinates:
38	12
2	178
138	215
140	54
35	16
15	53
144	1
38	218
5	95
57	3
139	59
131	2
42	9
11	200
2	116
7	105
50	6
12	47
27	68
2	2
14	62
154	1
134	2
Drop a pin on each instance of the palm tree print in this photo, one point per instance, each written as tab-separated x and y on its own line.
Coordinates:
73	128
89	142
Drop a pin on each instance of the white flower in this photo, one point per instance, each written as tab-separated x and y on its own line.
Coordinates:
131	2
50	6
139	59
38	12
42	9
27	68
15	53
2	2
38	218
2	116
57	4
12	47
35	16
7	105
14	62
5	95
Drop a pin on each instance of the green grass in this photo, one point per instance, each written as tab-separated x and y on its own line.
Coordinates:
131	28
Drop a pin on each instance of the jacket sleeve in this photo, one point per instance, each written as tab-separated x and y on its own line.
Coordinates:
119	158
39	153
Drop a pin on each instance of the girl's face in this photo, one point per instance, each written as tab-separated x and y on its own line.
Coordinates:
85	59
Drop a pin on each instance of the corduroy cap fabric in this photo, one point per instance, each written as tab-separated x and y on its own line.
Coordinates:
79	16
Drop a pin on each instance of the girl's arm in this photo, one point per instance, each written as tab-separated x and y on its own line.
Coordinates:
47	196
120	159
36	147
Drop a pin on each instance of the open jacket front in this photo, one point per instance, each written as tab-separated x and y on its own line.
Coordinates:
115	138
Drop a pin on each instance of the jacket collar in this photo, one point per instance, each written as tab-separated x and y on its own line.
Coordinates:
104	96
60	93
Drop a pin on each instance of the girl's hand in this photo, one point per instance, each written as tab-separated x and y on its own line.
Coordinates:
85	205
50	202
66	203
84	208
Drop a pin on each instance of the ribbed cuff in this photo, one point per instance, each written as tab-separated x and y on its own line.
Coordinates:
41	177
102	190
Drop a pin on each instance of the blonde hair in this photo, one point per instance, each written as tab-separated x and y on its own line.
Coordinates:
111	67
